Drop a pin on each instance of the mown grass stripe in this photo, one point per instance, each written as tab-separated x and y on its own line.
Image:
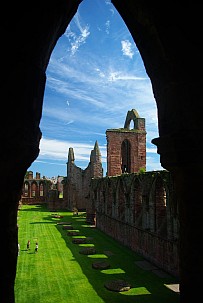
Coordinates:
58	273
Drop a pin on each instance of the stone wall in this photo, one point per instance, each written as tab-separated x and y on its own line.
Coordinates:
35	190
126	147
76	187
140	211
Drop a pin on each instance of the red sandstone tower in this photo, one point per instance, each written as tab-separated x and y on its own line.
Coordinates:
126	148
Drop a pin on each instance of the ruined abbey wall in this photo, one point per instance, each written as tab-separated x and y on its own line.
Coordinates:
140	211
35	189
137	208
126	147
76	189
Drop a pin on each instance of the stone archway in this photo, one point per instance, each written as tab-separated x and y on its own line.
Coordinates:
167	36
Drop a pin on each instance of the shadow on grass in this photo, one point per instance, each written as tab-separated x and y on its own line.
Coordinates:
146	286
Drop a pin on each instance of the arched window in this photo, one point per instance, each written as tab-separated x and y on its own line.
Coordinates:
33	189
125	157
26	189
41	190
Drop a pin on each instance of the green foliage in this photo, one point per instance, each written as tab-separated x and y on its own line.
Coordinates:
58	273
142	170
26	175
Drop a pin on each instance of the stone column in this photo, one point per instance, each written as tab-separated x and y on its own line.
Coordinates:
182	157
28	37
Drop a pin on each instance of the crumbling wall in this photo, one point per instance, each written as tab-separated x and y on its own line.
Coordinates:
140	211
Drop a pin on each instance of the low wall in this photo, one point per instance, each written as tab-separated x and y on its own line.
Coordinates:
161	252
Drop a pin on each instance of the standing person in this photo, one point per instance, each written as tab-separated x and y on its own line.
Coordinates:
18	249
28	244
36	247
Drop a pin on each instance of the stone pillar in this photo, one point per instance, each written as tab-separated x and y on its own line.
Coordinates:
187	169
24	66
13	171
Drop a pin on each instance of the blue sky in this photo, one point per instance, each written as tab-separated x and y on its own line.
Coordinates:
95	75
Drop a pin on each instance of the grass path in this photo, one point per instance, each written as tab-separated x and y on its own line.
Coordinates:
59	273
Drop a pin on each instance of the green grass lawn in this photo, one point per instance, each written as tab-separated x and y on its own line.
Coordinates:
59	273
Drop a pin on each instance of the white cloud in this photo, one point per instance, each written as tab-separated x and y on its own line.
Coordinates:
117	75
77	39
90	87
107	24
58	150
127	48
153	164
49	163
151	150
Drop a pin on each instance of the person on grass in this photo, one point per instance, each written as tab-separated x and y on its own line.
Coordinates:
36	247
28	244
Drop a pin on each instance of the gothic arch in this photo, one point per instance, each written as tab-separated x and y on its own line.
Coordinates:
137	205
41	189
165	42
26	189
34	189
125	156
132	115
159	201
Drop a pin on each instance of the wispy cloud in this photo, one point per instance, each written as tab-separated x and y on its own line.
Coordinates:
95	75
57	149
152	164
107	24
127	48
79	38
49	163
107	92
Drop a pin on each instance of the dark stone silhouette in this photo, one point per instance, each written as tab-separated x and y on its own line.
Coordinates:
168	36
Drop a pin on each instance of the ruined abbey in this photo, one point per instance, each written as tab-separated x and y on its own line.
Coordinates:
135	207
167	36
